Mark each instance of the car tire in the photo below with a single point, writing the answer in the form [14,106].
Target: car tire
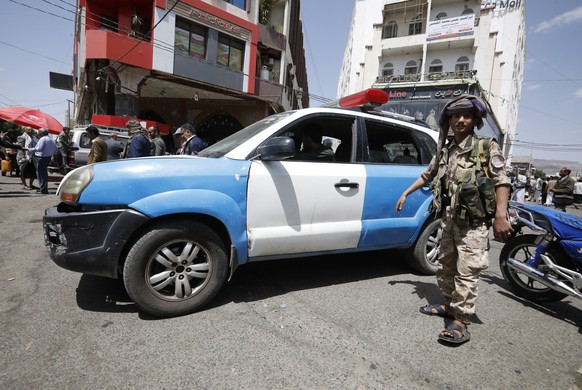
[423,257]
[175,269]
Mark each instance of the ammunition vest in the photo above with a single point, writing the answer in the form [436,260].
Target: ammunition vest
[474,197]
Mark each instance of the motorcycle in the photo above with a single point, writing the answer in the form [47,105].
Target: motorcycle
[542,262]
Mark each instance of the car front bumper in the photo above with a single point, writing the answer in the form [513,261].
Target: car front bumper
[89,242]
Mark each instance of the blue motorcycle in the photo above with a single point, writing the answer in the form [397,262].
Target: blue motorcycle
[542,262]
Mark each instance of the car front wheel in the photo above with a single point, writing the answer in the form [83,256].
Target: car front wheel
[175,269]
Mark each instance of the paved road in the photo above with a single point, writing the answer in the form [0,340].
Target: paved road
[334,322]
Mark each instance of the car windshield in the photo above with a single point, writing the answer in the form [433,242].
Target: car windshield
[227,144]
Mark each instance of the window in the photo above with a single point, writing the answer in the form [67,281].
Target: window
[238,3]
[415,26]
[441,15]
[410,68]
[435,66]
[388,70]
[462,63]
[190,39]
[393,144]
[467,11]
[337,133]
[231,52]
[390,30]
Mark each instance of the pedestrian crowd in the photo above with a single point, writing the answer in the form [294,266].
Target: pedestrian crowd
[559,190]
[33,151]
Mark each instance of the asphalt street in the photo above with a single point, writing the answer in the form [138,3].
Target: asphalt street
[330,322]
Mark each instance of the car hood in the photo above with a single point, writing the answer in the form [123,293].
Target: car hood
[122,182]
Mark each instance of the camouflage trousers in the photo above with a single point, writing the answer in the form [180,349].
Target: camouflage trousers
[464,253]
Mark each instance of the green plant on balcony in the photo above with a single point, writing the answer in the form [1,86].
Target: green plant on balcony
[265,8]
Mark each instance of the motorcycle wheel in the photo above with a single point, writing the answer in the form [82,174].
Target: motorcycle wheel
[522,248]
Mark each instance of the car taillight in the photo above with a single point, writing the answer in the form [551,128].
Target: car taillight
[369,97]
[71,158]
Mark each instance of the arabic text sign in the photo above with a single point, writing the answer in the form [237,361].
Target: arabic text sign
[450,27]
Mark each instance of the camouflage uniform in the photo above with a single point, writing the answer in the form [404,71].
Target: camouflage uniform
[464,249]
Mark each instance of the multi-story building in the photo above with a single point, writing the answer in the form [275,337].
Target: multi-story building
[424,52]
[218,64]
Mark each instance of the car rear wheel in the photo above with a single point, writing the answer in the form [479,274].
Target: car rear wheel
[423,257]
[175,269]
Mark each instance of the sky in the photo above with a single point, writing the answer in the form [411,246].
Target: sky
[36,37]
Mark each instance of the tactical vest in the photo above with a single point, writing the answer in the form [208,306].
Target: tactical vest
[474,197]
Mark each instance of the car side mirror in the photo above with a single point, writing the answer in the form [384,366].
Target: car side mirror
[276,148]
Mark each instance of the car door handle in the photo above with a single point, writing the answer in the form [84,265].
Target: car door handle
[347,185]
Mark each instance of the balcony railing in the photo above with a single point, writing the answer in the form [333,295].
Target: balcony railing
[436,76]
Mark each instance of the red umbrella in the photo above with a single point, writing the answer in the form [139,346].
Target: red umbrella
[30,117]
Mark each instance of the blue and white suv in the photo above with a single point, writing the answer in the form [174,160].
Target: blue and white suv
[176,227]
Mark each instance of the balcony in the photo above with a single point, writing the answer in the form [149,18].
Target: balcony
[104,44]
[268,90]
[268,37]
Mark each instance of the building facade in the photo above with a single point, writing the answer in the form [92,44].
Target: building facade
[424,52]
[218,64]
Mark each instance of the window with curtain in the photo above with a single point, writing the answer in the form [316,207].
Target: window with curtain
[231,52]
[190,39]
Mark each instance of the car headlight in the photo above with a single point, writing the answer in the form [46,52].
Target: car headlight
[74,183]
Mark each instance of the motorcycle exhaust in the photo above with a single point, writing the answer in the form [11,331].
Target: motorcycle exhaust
[543,278]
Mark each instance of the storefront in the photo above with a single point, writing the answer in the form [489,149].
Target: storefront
[426,102]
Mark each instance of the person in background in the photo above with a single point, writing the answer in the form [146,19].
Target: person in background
[551,183]
[313,148]
[64,144]
[544,190]
[138,144]
[519,187]
[563,191]
[43,152]
[538,189]
[191,143]
[465,245]
[24,157]
[157,141]
[114,147]
[98,151]
[405,158]
[578,193]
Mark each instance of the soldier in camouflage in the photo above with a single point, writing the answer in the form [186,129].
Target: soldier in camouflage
[464,251]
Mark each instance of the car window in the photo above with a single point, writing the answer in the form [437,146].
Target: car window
[335,145]
[392,144]
[227,144]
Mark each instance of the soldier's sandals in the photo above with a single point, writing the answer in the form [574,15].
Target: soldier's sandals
[435,310]
[454,337]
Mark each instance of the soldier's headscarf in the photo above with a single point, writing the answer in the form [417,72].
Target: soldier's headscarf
[462,103]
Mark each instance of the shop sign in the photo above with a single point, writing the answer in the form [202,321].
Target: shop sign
[501,4]
[216,22]
[449,93]
[211,21]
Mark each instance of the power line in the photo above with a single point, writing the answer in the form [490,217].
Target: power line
[34,53]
